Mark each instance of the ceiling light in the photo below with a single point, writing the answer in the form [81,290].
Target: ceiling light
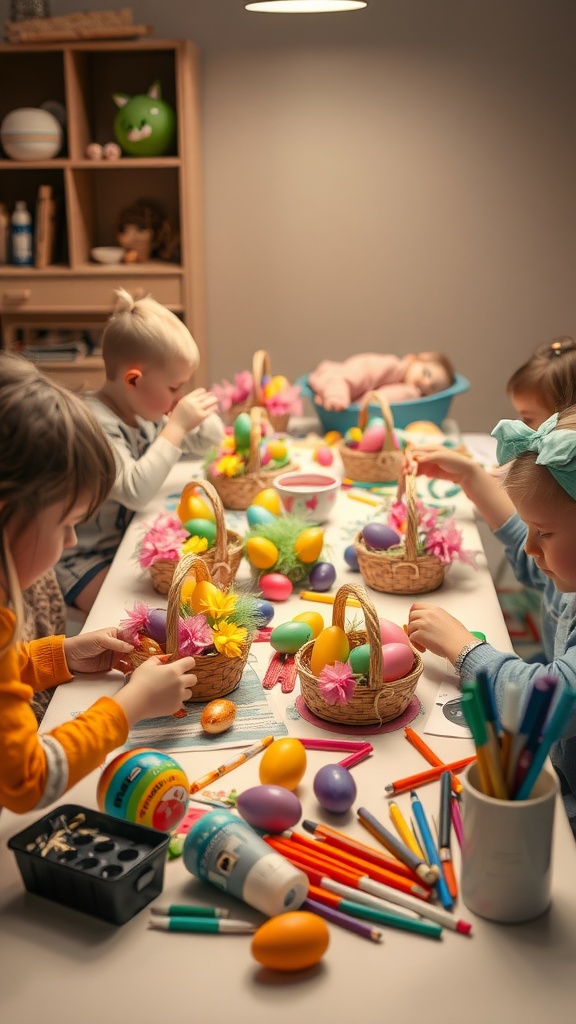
[304,6]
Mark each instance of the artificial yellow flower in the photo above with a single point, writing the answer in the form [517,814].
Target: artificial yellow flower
[229,465]
[194,545]
[228,444]
[228,638]
[217,604]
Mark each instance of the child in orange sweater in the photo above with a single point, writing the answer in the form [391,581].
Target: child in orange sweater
[57,467]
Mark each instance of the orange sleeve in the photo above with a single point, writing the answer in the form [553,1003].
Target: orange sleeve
[43,663]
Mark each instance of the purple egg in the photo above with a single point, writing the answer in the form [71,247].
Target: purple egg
[156,628]
[270,808]
[379,537]
[322,576]
[351,558]
[334,788]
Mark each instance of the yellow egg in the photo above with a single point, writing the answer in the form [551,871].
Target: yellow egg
[277,449]
[309,544]
[332,436]
[283,763]
[193,507]
[187,590]
[201,595]
[313,619]
[332,645]
[262,552]
[274,385]
[291,941]
[269,499]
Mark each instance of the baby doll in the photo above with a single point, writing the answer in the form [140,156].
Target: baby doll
[336,385]
[144,232]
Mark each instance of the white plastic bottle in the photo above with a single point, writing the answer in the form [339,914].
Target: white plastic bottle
[22,248]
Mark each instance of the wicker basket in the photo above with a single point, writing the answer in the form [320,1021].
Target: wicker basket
[401,571]
[223,560]
[260,369]
[237,492]
[217,675]
[373,467]
[375,702]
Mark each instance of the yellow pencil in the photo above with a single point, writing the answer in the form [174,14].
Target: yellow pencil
[403,829]
[312,595]
[362,497]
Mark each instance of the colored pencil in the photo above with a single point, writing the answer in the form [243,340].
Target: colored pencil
[431,851]
[531,711]
[472,710]
[183,910]
[456,820]
[485,708]
[533,740]
[422,778]
[385,917]
[403,829]
[327,744]
[201,924]
[234,762]
[430,756]
[360,755]
[444,831]
[426,872]
[552,733]
[312,595]
[330,838]
[342,919]
[511,717]
[360,497]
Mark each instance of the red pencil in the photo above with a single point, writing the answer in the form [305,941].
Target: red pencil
[348,855]
[357,756]
[330,837]
[413,781]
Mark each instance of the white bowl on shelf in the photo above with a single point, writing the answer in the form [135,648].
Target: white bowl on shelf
[107,253]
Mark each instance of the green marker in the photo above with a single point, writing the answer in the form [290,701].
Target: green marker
[201,924]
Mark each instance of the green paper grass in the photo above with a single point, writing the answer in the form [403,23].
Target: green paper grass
[284,532]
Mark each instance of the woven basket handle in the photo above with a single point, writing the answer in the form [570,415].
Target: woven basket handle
[260,368]
[256,415]
[407,488]
[376,669]
[188,565]
[221,542]
[386,414]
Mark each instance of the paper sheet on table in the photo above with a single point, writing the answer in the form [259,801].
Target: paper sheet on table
[446,717]
[256,716]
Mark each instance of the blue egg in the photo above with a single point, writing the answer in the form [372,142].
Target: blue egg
[351,558]
[264,611]
[334,788]
[257,515]
[322,576]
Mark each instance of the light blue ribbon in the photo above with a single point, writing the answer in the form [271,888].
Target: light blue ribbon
[556,448]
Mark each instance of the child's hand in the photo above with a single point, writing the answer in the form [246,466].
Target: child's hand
[432,629]
[96,652]
[438,462]
[156,689]
[192,409]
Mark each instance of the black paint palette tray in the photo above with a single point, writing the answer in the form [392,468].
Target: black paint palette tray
[104,866]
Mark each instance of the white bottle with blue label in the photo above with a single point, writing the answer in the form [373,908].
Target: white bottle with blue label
[22,239]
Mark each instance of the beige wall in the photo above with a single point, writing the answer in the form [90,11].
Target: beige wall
[398,180]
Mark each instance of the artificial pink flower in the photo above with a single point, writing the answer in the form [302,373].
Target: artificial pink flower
[287,400]
[337,683]
[194,635]
[396,517]
[231,394]
[446,543]
[137,622]
[163,540]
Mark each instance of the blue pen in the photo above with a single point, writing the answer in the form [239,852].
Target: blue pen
[533,739]
[431,851]
[553,732]
[537,695]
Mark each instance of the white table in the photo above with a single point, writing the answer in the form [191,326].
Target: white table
[58,964]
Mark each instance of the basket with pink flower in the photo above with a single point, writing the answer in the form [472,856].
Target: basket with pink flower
[245,464]
[199,528]
[370,452]
[275,394]
[411,553]
[351,677]
[215,627]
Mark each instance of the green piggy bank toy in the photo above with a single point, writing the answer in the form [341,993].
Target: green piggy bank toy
[144,125]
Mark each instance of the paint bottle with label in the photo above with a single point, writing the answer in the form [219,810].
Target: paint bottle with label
[223,850]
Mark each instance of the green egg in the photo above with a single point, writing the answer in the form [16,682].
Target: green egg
[202,528]
[242,430]
[290,637]
[375,421]
[359,659]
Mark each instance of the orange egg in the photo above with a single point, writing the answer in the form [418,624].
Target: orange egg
[291,941]
[332,645]
[201,596]
[283,763]
[309,544]
[187,590]
[262,552]
[193,507]
[269,499]
[312,619]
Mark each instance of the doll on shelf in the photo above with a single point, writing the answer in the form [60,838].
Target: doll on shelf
[145,233]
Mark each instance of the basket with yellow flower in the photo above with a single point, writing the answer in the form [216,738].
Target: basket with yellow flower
[275,394]
[199,528]
[214,626]
[247,460]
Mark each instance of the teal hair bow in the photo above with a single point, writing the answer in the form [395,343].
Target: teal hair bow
[556,449]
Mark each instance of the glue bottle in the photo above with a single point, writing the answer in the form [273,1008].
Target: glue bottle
[22,249]
[223,850]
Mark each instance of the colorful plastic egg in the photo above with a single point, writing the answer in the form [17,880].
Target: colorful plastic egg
[309,544]
[359,659]
[262,552]
[150,648]
[331,645]
[156,627]
[322,576]
[275,586]
[291,941]
[314,620]
[144,786]
[390,633]
[397,661]
[242,430]
[351,558]
[376,421]
[264,612]
[270,808]
[324,456]
[283,763]
[352,437]
[334,788]
[372,439]
[332,437]
[379,536]
[187,590]
[265,456]
[268,499]
[203,596]
[257,515]
[202,528]
[194,507]
[278,449]
[289,637]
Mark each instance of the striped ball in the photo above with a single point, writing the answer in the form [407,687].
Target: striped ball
[145,786]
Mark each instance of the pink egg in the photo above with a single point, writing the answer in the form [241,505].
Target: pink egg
[390,633]
[324,456]
[372,439]
[275,586]
[398,660]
